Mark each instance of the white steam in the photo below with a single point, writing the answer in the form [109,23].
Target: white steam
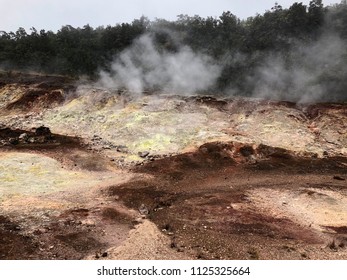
[308,72]
[303,74]
[143,66]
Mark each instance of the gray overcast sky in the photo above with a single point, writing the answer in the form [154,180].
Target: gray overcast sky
[53,14]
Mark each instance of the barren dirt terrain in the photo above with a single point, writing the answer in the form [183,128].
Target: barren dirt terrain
[91,173]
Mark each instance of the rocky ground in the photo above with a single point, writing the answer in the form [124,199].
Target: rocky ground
[90,173]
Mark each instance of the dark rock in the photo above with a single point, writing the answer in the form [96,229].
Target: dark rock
[96,137]
[269,151]
[43,131]
[246,151]
[143,154]
[122,149]
[143,210]
[13,141]
[339,178]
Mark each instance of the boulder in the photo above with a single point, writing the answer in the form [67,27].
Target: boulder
[43,131]
[23,137]
[13,141]
[143,154]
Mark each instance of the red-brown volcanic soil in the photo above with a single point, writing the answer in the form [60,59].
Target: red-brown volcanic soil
[223,199]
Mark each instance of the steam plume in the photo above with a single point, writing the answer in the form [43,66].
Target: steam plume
[307,73]
[143,66]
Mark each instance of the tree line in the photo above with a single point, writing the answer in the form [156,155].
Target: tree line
[87,50]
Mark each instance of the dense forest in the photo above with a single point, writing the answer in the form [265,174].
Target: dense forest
[288,41]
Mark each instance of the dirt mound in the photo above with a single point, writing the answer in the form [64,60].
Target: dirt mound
[21,139]
[27,92]
[37,99]
[145,242]
[208,156]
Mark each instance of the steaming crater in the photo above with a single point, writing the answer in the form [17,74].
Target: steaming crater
[169,124]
